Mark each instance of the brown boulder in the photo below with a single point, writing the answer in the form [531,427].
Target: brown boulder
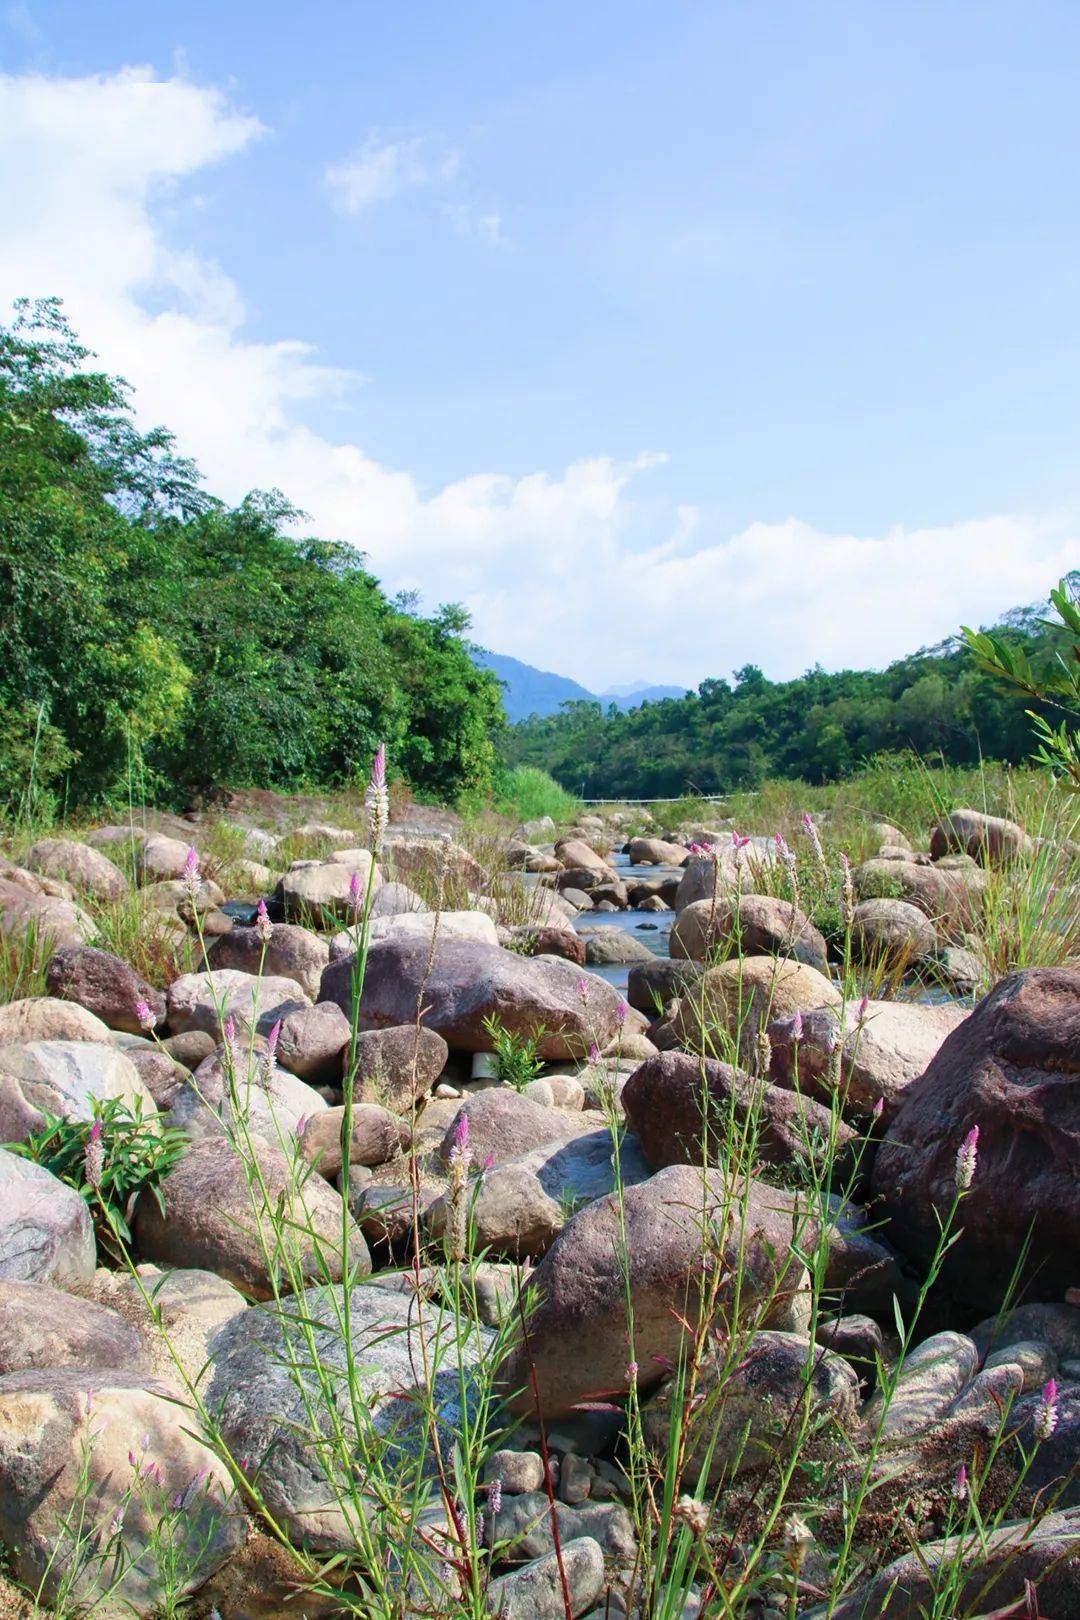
[44,1327]
[892,931]
[469,982]
[562,942]
[77,863]
[952,897]
[729,1003]
[759,924]
[44,1018]
[1012,1069]
[313,1041]
[377,1135]
[46,1234]
[398,1067]
[656,852]
[990,839]
[104,985]
[291,952]
[503,1125]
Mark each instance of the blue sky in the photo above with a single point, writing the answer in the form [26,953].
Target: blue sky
[664,337]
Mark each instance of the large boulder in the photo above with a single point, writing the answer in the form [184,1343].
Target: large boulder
[243,1091]
[50,920]
[885,1046]
[467,983]
[732,1001]
[291,952]
[267,1397]
[398,1067]
[990,839]
[88,869]
[1012,1069]
[476,925]
[313,1042]
[44,1018]
[73,1443]
[952,897]
[509,1214]
[686,1110]
[214,1221]
[63,1078]
[607,945]
[656,852]
[575,852]
[504,1125]
[723,869]
[651,985]
[418,859]
[757,924]
[46,1234]
[104,985]
[324,893]
[45,1327]
[892,932]
[159,858]
[576,1337]
[206,1001]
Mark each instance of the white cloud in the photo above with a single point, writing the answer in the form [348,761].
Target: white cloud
[553,565]
[382,169]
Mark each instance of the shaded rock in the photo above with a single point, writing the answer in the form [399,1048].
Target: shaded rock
[885,1049]
[163,1078]
[577,1171]
[892,931]
[260,1400]
[159,858]
[562,942]
[104,985]
[213,1220]
[46,1234]
[44,1018]
[272,1102]
[651,985]
[44,1327]
[504,1124]
[525,1523]
[577,1332]
[191,1047]
[1013,1069]
[1055,1325]
[63,1078]
[752,1411]
[509,1213]
[88,869]
[398,1066]
[392,899]
[951,898]
[536,1591]
[990,839]
[684,1110]
[313,1042]
[206,1001]
[762,924]
[47,1424]
[469,982]
[290,953]
[52,921]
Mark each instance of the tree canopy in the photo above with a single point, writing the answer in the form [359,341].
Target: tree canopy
[147,627]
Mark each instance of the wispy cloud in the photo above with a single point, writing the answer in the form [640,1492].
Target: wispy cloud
[382,169]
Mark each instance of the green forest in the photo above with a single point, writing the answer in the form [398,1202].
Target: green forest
[819,727]
[152,635]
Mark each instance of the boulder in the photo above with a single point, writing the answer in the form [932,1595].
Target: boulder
[273,1102]
[503,1124]
[159,858]
[324,893]
[656,852]
[892,932]
[609,946]
[577,1333]
[756,924]
[398,1066]
[562,942]
[1012,1069]
[214,1221]
[187,1308]
[44,1018]
[313,1042]
[104,985]
[886,1046]
[951,897]
[42,1326]
[726,868]
[928,1383]
[990,839]
[260,1400]
[509,1214]
[46,1234]
[394,900]
[206,1001]
[88,869]
[575,852]
[651,985]
[575,1172]
[377,1136]
[291,952]
[418,859]
[52,921]
[468,983]
[421,925]
[523,1526]
[752,1407]
[732,1001]
[536,1591]
[72,1442]
[686,1110]
[63,1078]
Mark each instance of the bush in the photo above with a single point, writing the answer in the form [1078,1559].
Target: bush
[527,793]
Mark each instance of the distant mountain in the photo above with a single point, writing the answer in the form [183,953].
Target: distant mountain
[537,691]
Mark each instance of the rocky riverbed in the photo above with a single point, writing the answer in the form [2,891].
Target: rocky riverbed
[624,1157]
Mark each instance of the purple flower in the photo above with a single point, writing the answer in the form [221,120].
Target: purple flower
[960,1484]
[272,1039]
[783,849]
[147,1019]
[263,926]
[797,1025]
[594,1053]
[459,1144]
[94,1156]
[583,988]
[301,1126]
[1045,1420]
[354,891]
[967,1158]
[864,1007]
[377,800]
[878,1109]
[622,1012]
[632,1372]
[739,840]
[116,1523]
[190,877]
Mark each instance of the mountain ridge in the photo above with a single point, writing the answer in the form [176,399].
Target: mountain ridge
[531,691]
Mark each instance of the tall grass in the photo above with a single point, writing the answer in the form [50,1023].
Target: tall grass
[526,793]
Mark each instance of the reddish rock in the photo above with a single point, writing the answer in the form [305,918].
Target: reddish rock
[104,985]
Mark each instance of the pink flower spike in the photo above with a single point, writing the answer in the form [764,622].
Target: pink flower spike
[146,1018]
[378,767]
[864,1007]
[622,1012]
[1046,1413]
[459,1144]
[967,1159]
[960,1484]
[229,1030]
[190,877]
[594,1053]
[301,1127]
[263,926]
[583,988]
[878,1109]
[354,889]
[273,1038]
[739,840]
[797,1025]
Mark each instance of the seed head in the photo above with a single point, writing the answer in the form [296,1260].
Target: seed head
[967,1158]
[693,1513]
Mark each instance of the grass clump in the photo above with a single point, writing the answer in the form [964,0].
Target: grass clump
[526,793]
